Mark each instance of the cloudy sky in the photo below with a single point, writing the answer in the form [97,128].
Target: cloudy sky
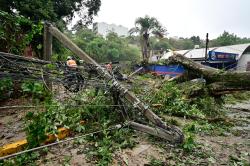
[182,18]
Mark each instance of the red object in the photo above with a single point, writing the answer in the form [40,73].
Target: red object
[28,52]
[108,67]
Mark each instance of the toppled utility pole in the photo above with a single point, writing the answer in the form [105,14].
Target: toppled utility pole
[171,133]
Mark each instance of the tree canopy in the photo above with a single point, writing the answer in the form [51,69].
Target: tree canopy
[146,26]
[111,48]
[16,32]
[20,21]
[53,10]
[227,38]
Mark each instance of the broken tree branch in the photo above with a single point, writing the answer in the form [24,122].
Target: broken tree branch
[218,81]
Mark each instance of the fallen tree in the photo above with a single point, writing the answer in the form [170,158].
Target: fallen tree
[217,81]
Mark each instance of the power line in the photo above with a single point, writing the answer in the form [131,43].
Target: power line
[118,126]
[43,106]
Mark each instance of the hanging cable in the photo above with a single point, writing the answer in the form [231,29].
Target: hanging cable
[118,126]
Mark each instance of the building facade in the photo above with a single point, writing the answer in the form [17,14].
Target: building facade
[241,53]
[104,28]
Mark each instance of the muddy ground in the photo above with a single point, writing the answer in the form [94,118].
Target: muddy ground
[229,148]
[12,120]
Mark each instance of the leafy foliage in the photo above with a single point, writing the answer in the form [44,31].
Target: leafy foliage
[36,90]
[156,162]
[112,48]
[16,32]
[237,97]
[54,10]
[225,39]
[146,26]
[203,127]
[196,40]
[107,142]
[24,159]
[177,99]
[160,44]
[6,86]
[35,130]
[173,102]
[181,43]
[189,143]
[85,107]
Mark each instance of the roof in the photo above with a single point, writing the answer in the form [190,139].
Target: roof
[200,53]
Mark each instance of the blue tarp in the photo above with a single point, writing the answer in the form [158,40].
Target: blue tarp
[172,70]
[220,60]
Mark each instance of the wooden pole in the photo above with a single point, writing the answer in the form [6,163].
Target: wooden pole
[47,50]
[70,45]
[47,44]
[206,47]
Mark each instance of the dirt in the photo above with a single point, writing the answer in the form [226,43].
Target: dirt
[232,147]
[64,154]
[61,93]
[73,154]
[12,120]
[235,144]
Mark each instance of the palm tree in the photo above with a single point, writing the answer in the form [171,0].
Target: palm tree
[146,26]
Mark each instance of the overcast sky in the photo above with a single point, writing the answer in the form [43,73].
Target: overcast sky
[183,18]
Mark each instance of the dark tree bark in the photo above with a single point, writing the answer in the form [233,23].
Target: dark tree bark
[218,81]
[145,47]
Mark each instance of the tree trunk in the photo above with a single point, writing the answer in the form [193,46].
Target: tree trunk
[145,45]
[218,81]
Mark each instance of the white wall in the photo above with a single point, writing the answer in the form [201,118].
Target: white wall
[104,28]
[242,63]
